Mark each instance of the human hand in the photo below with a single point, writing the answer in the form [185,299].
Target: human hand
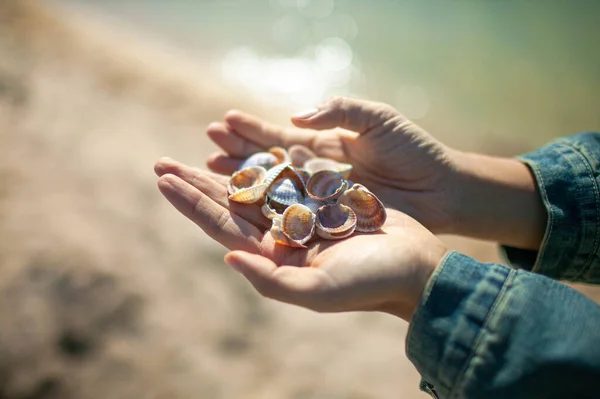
[446,190]
[401,163]
[386,271]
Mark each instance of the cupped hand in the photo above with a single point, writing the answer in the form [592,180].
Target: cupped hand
[400,162]
[385,271]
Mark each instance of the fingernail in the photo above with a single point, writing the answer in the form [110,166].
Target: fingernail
[306,113]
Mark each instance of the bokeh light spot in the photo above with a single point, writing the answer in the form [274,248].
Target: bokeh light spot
[334,54]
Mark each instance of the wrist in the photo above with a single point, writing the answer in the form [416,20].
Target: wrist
[409,296]
[495,199]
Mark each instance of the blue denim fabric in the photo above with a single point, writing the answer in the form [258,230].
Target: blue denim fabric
[567,172]
[489,331]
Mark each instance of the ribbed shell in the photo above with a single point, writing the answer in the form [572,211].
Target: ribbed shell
[326,185]
[299,154]
[264,159]
[313,204]
[335,221]
[370,212]
[295,227]
[247,185]
[315,165]
[285,191]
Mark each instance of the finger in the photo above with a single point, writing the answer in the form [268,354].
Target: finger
[167,165]
[227,228]
[348,113]
[215,186]
[265,134]
[233,144]
[221,163]
[288,284]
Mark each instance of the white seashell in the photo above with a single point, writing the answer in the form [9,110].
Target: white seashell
[269,212]
[370,212]
[335,221]
[315,165]
[264,159]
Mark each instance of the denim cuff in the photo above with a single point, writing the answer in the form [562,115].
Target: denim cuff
[566,172]
[446,328]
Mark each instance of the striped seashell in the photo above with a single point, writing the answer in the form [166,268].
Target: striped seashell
[299,154]
[285,192]
[370,212]
[281,154]
[283,171]
[315,165]
[264,159]
[326,185]
[274,173]
[295,227]
[313,204]
[335,221]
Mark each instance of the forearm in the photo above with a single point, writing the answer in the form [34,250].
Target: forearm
[496,199]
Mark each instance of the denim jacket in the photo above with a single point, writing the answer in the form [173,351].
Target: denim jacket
[485,330]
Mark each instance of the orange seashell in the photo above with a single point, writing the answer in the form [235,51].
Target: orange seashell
[370,212]
[247,185]
[281,154]
[295,227]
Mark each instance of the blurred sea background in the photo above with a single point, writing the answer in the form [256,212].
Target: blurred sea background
[107,292]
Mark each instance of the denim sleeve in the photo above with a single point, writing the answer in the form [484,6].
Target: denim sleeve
[489,331]
[567,173]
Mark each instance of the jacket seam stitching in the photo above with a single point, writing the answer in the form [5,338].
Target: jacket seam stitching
[590,173]
[542,185]
[505,286]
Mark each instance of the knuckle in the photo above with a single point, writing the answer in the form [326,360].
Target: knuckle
[337,102]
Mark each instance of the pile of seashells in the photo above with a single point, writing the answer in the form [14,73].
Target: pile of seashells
[304,194]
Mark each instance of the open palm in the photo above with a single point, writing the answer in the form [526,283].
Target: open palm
[399,161]
[384,271]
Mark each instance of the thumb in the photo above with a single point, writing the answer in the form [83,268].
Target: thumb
[348,113]
[284,283]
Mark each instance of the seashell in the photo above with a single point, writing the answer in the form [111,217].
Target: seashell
[313,204]
[326,185]
[274,173]
[264,159]
[335,221]
[370,212]
[247,185]
[281,154]
[285,191]
[269,211]
[295,227]
[315,165]
[299,154]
